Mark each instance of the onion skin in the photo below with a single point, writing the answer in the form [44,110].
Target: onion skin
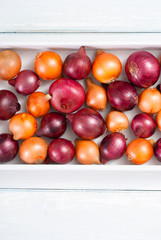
[87,152]
[10,64]
[77,65]
[157,150]
[22,126]
[26,82]
[112,147]
[142,69]
[53,125]
[87,123]
[122,95]
[67,95]
[96,96]
[106,67]
[158,120]
[33,150]
[8,104]
[116,121]
[139,151]
[150,101]
[60,151]
[8,147]
[143,125]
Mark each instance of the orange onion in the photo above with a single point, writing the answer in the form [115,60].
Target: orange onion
[106,67]
[96,96]
[22,126]
[150,101]
[116,121]
[158,120]
[139,151]
[33,150]
[87,152]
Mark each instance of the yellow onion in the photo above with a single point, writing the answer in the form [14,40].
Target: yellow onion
[116,121]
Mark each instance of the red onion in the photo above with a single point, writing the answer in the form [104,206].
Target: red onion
[122,95]
[8,104]
[142,69]
[60,151]
[77,65]
[159,87]
[87,123]
[53,125]
[157,149]
[143,125]
[26,82]
[66,95]
[112,147]
[8,147]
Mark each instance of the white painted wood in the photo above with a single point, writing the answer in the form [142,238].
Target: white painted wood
[77,215]
[80,16]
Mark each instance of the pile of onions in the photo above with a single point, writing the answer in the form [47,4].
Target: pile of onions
[122,95]
[67,95]
[77,65]
[142,69]
[112,147]
[158,120]
[87,123]
[116,121]
[157,150]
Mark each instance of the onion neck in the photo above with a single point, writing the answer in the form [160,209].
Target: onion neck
[12,82]
[89,82]
[99,52]
[82,51]
[70,117]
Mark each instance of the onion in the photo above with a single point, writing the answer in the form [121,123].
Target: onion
[26,82]
[122,95]
[143,125]
[60,151]
[158,120]
[66,95]
[139,151]
[53,125]
[87,123]
[112,147]
[8,104]
[116,121]
[8,147]
[157,150]
[10,64]
[96,97]
[150,101]
[77,65]
[142,69]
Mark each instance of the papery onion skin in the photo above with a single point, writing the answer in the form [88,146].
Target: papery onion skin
[60,151]
[77,65]
[33,150]
[139,151]
[53,125]
[26,82]
[87,152]
[67,95]
[48,65]
[158,120]
[9,104]
[143,125]
[96,96]
[142,69]
[116,121]
[10,64]
[87,123]
[150,101]
[8,147]
[106,67]
[122,95]
[157,149]
[112,147]
[22,126]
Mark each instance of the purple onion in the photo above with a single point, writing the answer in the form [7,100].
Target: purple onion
[112,147]
[87,123]
[77,65]
[53,125]
[8,104]
[8,147]
[142,69]
[122,95]
[157,149]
